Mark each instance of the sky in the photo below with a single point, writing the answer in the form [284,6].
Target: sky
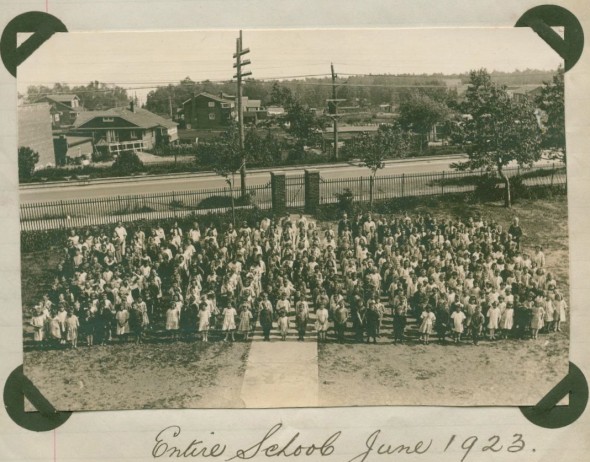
[139,61]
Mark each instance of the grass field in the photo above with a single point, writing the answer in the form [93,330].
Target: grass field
[181,374]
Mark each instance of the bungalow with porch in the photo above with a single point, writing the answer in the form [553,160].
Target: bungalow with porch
[125,128]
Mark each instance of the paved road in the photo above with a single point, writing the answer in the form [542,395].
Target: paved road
[201,181]
[47,193]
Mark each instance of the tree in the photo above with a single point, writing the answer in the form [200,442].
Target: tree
[551,102]
[27,159]
[391,141]
[99,96]
[420,112]
[301,121]
[499,130]
[280,95]
[94,96]
[222,155]
[263,151]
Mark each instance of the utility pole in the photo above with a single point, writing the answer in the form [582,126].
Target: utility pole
[333,111]
[170,106]
[239,75]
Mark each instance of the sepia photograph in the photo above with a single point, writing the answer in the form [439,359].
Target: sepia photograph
[293,218]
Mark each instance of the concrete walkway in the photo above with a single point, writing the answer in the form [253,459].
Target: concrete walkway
[281,374]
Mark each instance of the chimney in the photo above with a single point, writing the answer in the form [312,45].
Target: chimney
[132,106]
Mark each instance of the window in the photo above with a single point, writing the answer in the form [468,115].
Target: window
[108,119]
[211,103]
[225,105]
[211,116]
[133,134]
[56,117]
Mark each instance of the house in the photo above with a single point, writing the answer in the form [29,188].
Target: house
[251,105]
[349,131]
[275,111]
[64,109]
[206,110]
[525,92]
[122,128]
[209,111]
[34,131]
[457,86]
[386,107]
[345,133]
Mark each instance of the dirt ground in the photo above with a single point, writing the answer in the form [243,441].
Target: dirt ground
[510,372]
[192,375]
[148,376]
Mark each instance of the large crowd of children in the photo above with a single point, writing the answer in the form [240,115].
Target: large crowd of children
[456,279]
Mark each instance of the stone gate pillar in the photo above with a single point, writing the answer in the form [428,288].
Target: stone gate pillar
[312,191]
[279,193]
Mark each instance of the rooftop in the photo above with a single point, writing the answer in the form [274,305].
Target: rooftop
[62,98]
[140,117]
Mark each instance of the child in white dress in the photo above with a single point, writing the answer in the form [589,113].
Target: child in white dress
[229,322]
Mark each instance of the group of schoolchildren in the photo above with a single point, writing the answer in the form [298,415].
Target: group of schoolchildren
[456,279]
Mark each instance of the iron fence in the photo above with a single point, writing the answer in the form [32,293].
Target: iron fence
[430,184]
[295,191]
[77,213]
[99,211]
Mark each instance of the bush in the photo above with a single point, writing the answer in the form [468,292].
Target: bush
[127,162]
[101,156]
[220,202]
[185,149]
[345,201]
[518,189]
[27,158]
[176,204]
[488,189]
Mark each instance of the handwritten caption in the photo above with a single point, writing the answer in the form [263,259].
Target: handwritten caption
[171,442]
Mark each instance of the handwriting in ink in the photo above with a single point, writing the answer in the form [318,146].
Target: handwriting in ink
[267,447]
[385,449]
[196,448]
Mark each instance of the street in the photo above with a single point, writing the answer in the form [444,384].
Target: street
[200,181]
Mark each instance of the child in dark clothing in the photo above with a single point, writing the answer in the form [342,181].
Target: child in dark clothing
[399,325]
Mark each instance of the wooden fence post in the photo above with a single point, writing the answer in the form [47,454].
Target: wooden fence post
[442,183]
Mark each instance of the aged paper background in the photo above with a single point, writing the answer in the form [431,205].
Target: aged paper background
[130,435]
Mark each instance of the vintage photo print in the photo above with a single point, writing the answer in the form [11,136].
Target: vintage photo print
[293,218]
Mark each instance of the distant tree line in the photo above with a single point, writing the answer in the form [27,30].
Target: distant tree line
[94,96]
[363,90]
